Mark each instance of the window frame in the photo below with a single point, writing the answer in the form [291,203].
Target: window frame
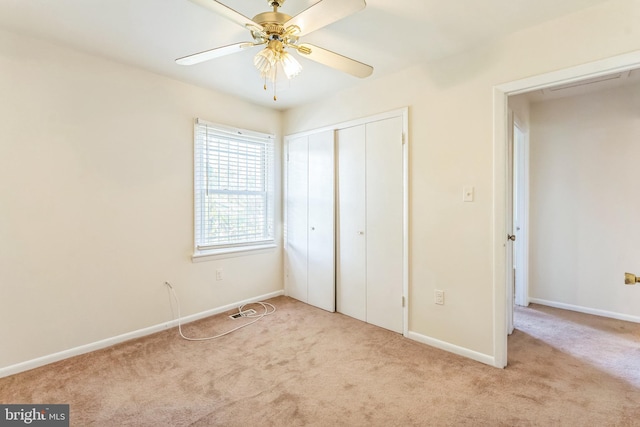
[202,252]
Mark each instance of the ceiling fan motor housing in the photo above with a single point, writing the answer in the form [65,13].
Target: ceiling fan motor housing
[271,18]
[272,24]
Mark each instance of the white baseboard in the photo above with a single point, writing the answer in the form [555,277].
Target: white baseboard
[45,360]
[451,348]
[587,310]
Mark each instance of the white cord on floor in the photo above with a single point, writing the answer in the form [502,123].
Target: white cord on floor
[256,316]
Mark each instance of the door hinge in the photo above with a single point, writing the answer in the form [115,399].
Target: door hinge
[403,301]
[403,139]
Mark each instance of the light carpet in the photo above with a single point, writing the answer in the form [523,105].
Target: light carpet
[303,366]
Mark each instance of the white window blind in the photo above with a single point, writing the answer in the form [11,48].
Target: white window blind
[234,187]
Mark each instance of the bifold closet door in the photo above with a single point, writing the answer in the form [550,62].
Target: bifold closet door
[310,220]
[370,246]
[351,272]
[321,207]
[384,223]
[297,218]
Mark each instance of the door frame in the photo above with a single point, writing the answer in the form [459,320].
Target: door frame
[615,64]
[404,114]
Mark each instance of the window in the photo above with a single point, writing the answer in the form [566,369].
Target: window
[234,189]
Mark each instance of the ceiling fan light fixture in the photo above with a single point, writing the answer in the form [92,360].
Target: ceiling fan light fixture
[268,59]
[272,57]
[265,61]
[290,65]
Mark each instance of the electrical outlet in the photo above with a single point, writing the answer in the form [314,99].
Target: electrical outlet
[439,297]
[219,274]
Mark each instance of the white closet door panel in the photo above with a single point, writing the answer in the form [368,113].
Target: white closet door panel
[351,283]
[384,195]
[321,221]
[297,214]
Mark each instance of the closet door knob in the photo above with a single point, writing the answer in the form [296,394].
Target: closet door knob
[361,233]
[313,228]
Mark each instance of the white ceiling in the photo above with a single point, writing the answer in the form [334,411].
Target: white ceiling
[389,35]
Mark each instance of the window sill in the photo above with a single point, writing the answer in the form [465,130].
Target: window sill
[215,254]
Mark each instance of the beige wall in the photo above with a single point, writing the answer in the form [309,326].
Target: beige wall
[451,106]
[585,201]
[96,195]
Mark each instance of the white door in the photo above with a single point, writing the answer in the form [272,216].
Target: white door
[370,223]
[384,219]
[509,222]
[297,219]
[520,215]
[351,273]
[321,226]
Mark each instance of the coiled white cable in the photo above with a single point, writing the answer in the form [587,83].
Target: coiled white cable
[256,316]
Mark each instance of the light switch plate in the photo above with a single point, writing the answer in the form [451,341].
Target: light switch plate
[467,194]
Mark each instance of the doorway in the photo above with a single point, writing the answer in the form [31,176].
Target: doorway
[503,191]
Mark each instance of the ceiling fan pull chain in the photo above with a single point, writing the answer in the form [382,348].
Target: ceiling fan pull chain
[275,79]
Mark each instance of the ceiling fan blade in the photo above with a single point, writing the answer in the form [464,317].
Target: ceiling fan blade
[197,58]
[335,60]
[227,12]
[323,13]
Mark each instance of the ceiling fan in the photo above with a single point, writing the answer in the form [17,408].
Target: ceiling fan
[279,32]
